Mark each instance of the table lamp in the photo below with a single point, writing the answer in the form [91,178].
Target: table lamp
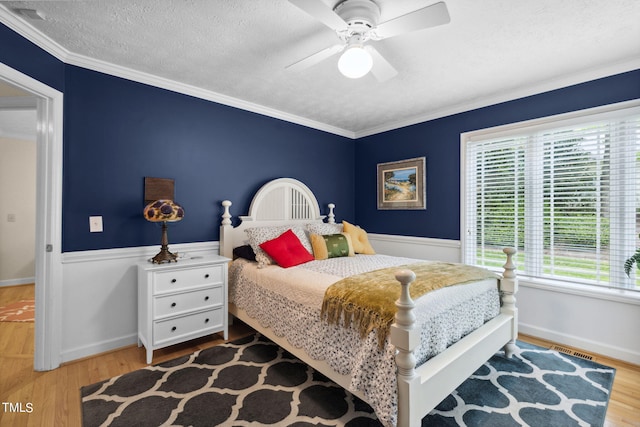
[164,211]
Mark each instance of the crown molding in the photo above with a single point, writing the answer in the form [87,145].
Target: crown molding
[545,86]
[172,85]
[21,27]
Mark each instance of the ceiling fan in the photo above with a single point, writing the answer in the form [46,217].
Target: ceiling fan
[356,23]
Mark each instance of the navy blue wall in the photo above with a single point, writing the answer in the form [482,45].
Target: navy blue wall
[439,141]
[116,132]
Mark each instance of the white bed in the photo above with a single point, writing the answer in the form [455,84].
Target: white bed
[418,389]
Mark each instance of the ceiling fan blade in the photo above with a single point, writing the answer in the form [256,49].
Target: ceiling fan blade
[427,17]
[315,58]
[382,70]
[321,12]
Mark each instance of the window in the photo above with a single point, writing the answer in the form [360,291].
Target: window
[565,191]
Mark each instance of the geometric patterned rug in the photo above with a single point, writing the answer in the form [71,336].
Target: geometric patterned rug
[21,311]
[536,387]
[252,382]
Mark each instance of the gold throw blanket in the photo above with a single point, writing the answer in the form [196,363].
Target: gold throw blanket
[368,299]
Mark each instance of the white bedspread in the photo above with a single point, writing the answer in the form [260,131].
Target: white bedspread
[289,302]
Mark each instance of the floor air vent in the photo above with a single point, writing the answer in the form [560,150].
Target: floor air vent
[572,352]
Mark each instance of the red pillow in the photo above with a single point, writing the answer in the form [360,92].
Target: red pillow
[287,250]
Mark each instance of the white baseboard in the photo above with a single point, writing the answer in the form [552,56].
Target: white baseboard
[98,347]
[16,282]
[580,343]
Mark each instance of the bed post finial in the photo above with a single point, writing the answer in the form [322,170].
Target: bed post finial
[226,216]
[331,217]
[509,266]
[226,242]
[508,290]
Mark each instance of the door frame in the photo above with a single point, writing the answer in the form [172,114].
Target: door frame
[48,244]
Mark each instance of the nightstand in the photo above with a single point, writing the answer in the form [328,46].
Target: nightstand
[181,301]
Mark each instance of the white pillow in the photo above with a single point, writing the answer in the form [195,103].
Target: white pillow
[323,228]
[259,235]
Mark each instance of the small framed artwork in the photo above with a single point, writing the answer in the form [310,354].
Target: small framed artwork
[402,184]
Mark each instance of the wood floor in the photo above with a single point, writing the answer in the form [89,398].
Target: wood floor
[50,398]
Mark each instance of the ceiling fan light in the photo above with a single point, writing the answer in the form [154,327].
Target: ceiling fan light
[355,62]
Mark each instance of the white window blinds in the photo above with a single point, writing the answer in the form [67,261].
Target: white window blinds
[565,193]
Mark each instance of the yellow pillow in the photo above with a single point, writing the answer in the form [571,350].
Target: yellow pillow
[331,245]
[359,238]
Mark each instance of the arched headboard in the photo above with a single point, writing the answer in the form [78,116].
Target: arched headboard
[282,201]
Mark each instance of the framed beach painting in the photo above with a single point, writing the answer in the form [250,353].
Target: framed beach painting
[402,184]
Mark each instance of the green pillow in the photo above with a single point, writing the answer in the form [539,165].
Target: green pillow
[331,245]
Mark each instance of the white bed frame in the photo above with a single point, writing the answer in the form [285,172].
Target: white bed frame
[420,389]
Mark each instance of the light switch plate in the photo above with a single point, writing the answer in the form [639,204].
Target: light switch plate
[95,224]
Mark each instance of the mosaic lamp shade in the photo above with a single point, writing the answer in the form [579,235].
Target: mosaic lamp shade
[164,211]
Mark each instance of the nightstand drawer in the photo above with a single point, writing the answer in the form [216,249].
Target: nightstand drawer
[170,305]
[167,281]
[181,327]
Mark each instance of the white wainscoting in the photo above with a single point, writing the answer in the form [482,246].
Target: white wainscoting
[99,297]
[601,321]
[416,247]
[99,301]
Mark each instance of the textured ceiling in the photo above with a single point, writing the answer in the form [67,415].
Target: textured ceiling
[491,51]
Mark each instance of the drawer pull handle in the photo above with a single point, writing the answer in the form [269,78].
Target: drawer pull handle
[206,276]
[173,280]
[206,320]
[173,304]
[206,298]
[173,329]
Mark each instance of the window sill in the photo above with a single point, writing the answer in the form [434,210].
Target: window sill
[590,291]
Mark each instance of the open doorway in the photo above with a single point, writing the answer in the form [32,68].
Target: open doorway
[17,186]
[17,225]
[48,104]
